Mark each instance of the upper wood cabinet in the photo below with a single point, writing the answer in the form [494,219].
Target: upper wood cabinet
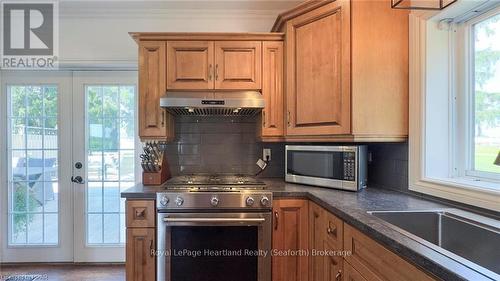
[346,71]
[154,122]
[272,121]
[318,71]
[206,65]
[238,65]
[290,232]
[190,65]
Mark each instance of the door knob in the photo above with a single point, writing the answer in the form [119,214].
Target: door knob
[77,179]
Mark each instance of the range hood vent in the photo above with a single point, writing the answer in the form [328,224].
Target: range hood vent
[240,103]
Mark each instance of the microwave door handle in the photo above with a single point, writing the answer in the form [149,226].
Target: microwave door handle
[214,220]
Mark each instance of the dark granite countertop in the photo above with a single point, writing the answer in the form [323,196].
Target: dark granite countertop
[352,207]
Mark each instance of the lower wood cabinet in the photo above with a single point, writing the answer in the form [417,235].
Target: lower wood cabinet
[299,222]
[141,240]
[374,262]
[290,233]
[140,256]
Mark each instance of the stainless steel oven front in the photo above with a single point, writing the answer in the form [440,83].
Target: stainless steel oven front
[341,167]
[222,246]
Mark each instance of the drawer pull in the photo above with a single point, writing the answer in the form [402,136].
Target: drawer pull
[151,249]
[140,213]
[276,220]
[331,231]
[338,275]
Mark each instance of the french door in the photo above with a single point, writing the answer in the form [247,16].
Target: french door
[70,149]
[104,146]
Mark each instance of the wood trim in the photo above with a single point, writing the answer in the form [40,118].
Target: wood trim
[298,10]
[140,213]
[272,121]
[207,36]
[347,138]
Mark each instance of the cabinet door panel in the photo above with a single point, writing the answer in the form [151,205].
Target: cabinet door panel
[318,71]
[152,118]
[190,65]
[272,89]
[290,232]
[238,65]
[140,260]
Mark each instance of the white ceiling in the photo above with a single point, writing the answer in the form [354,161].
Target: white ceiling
[254,5]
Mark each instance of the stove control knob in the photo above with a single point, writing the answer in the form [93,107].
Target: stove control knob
[164,200]
[179,201]
[214,201]
[250,201]
[264,201]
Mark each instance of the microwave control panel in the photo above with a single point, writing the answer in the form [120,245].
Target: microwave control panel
[349,166]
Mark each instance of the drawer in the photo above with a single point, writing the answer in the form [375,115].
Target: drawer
[375,262]
[351,274]
[334,232]
[141,213]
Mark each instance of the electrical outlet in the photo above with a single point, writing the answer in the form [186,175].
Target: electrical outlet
[266,154]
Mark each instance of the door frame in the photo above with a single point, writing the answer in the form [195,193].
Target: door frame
[63,252]
[83,252]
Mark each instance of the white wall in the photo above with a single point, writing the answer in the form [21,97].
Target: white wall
[98,37]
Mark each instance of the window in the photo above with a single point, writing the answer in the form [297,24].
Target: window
[485,93]
[33,174]
[454,130]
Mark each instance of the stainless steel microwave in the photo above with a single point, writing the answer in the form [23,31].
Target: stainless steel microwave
[340,167]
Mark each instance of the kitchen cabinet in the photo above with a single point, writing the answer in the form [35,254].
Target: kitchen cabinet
[190,65]
[375,262]
[351,274]
[346,71]
[141,240]
[290,233]
[238,65]
[207,65]
[272,119]
[154,122]
[325,234]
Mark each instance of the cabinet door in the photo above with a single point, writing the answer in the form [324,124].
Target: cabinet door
[316,237]
[238,65]
[190,65]
[290,233]
[140,264]
[272,89]
[153,120]
[333,265]
[318,72]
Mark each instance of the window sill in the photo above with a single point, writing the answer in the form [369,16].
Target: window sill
[484,194]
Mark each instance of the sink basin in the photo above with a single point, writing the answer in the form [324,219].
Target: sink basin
[472,237]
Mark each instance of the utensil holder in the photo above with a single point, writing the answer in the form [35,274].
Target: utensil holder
[157,178]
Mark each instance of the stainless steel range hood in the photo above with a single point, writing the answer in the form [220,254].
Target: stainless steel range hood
[238,103]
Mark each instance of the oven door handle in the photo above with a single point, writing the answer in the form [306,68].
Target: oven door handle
[214,220]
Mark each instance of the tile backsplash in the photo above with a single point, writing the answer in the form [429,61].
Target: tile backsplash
[220,145]
[389,166]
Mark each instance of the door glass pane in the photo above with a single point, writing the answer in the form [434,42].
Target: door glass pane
[33,176]
[487,95]
[111,131]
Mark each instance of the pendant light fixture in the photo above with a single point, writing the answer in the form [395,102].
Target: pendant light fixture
[421,4]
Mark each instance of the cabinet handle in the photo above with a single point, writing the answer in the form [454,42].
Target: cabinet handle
[288,119]
[276,217]
[263,118]
[338,275]
[217,72]
[151,249]
[331,231]
[163,118]
[210,72]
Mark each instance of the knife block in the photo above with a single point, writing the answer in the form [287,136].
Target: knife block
[157,178]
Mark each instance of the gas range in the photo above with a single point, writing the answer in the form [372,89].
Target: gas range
[214,192]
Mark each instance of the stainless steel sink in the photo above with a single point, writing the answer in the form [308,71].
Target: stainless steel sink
[469,236]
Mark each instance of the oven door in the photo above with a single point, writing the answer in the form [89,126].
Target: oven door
[214,246]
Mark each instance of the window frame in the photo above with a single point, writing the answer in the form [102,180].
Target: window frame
[469,86]
[436,165]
